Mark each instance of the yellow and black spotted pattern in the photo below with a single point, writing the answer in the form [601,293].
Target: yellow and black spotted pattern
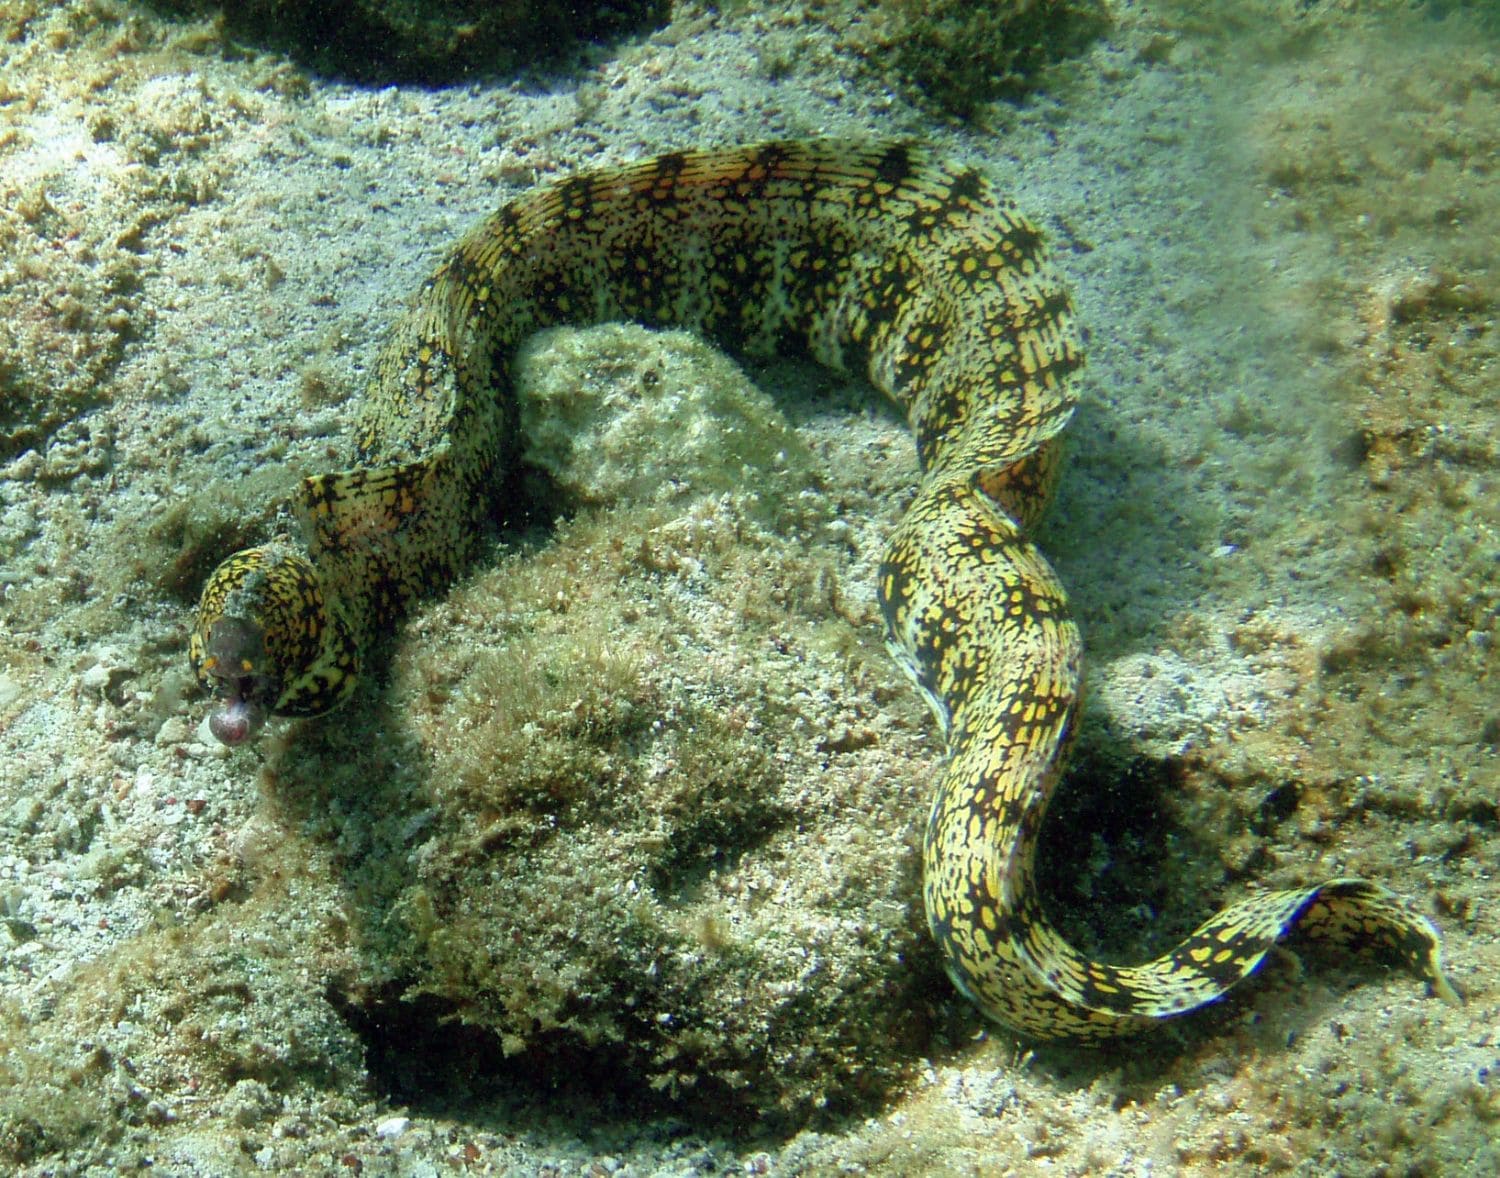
[871,258]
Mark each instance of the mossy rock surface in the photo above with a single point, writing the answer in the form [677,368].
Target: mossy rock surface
[956,55]
[642,805]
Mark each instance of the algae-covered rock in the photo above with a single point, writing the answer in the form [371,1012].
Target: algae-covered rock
[601,416]
[657,821]
[180,1018]
[958,54]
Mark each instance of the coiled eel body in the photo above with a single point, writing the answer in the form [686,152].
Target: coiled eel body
[872,258]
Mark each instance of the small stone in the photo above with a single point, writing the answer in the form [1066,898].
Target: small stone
[392,1128]
[174,730]
[250,1102]
[108,676]
[96,678]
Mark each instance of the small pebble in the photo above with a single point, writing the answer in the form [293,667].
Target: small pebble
[392,1128]
[174,730]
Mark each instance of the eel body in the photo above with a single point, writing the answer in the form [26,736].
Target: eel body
[868,258]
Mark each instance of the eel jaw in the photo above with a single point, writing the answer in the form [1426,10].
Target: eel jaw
[236,721]
[234,670]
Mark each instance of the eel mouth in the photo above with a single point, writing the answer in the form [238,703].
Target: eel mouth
[234,672]
[237,720]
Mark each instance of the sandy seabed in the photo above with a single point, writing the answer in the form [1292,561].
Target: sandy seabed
[1280,526]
